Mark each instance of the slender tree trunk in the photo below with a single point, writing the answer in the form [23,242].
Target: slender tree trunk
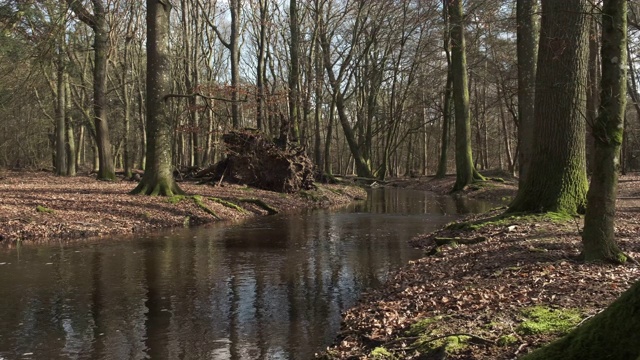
[592,89]
[327,140]
[72,154]
[234,47]
[319,77]
[261,70]
[505,131]
[465,172]
[598,237]
[126,117]
[294,72]
[447,107]
[527,48]
[558,162]
[101,47]
[60,106]
[363,168]
[158,176]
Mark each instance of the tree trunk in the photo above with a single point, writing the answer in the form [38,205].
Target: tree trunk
[598,237]
[106,169]
[234,47]
[558,162]
[60,106]
[72,152]
[611,334]
[527,48]
[261,70]
[294,73]
[158,177]
[465,172]
[319,77]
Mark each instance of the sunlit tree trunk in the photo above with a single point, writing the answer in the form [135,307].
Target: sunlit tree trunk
[557,176]
[158,177]
[598,237]
[465,171]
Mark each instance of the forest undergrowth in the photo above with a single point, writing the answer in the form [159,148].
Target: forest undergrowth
[490,287]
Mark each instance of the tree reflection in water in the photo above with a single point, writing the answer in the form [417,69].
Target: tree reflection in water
[269,288]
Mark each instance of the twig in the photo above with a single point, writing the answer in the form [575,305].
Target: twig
[195,94]
[474,337]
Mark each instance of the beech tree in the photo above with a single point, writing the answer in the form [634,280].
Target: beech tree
[158,176]
[557,180]
[465,171]
[598,237]
[98,23]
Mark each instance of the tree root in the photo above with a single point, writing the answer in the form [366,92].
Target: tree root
[270,210]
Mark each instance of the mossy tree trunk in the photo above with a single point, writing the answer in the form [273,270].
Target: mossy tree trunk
[158,177]
[465,171]
[557,179]
[527,48]
[612,334]
[598,237]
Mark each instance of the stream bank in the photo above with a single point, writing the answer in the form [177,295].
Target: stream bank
[515,289]
[38,207]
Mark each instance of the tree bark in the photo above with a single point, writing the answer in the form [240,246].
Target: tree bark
[158,177]
[465,172]
[557,180]
[447,105]
[598,237]
[60,107]
[527,49]
[294,73]
[98,22]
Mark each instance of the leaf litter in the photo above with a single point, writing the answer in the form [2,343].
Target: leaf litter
[483,290]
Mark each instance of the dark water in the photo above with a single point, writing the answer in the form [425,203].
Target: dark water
[270,288]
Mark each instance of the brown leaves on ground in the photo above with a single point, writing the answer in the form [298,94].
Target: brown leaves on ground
[481,289]
[40,207]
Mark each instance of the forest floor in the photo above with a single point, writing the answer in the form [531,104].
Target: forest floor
[38,207]
[515,285]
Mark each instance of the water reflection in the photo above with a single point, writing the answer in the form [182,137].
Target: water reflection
[272,288]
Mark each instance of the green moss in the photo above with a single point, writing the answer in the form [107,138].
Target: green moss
[611,334]
[314,196]
[270,210]
[450,344]
[228,204]
[423,326]
[506,340]
[507,219]
[544,320]
[175,199]
[197,199]
[42,209]
[381,353]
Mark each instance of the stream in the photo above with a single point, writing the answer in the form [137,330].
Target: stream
[269,288]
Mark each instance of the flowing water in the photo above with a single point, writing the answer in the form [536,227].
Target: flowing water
[268,288]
